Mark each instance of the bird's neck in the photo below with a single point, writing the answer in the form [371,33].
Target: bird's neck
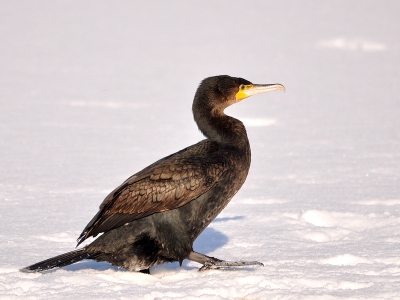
[223,129]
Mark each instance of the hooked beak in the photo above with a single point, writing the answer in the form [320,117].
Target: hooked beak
[254,89]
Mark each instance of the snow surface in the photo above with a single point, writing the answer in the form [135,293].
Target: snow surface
[93,91]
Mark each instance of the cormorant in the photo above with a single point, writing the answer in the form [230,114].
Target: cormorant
[155,215]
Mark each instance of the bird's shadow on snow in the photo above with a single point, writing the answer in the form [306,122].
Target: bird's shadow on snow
[208,241]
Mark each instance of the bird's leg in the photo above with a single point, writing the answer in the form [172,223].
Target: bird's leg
[215,263]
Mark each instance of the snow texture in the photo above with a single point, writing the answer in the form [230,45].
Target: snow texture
[93,91]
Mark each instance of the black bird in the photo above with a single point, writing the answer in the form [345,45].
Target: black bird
[155,215]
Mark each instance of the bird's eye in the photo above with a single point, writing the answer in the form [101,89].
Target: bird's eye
[242,87]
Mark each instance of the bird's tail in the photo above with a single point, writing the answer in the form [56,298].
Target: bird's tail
[59,261]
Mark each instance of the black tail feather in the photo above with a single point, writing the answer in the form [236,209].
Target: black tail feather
[59,261]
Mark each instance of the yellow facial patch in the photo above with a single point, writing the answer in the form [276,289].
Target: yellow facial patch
[243,92]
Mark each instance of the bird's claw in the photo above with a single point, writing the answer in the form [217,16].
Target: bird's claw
[218,264]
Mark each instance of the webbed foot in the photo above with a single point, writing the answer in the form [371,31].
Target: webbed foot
[215,263]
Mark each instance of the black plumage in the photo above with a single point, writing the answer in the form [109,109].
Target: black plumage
[156,215]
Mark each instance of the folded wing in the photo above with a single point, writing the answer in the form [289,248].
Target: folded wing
[165,185]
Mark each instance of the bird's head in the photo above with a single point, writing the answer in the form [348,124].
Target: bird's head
[219,92]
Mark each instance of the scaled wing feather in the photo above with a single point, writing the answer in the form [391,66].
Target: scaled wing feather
[165,185]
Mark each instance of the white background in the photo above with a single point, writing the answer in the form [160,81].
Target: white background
[93,91]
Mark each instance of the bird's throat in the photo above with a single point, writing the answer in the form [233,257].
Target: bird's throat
[223,129]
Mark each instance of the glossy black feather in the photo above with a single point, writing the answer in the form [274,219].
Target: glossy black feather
[155,215]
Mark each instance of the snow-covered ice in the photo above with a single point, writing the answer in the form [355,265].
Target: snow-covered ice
[91,92]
